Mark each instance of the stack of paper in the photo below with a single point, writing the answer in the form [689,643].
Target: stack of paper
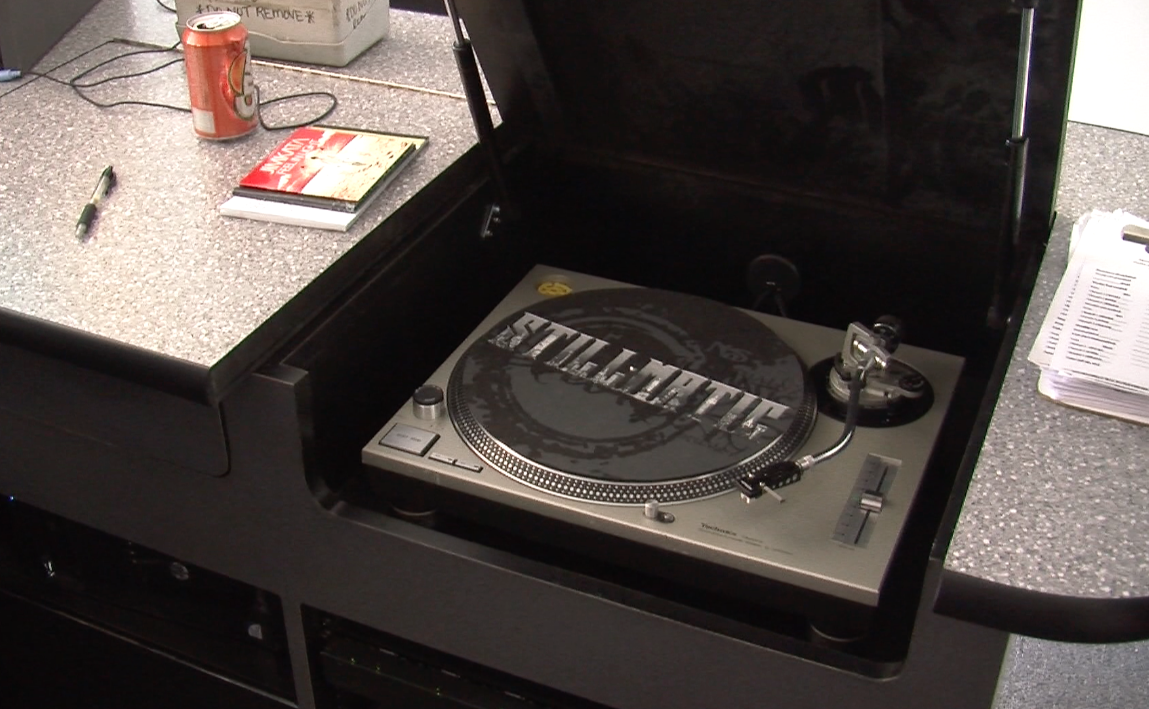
[1093,347]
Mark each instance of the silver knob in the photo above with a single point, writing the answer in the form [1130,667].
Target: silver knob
[427,402]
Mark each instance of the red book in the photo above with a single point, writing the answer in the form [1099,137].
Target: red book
[331,168]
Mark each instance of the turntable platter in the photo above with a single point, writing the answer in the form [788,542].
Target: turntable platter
[624,395]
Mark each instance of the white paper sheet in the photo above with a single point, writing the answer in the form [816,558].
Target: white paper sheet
[1093,346]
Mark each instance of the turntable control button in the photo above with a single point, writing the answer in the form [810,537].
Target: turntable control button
[409,439]
[469,466]
[442,458]
[427,402]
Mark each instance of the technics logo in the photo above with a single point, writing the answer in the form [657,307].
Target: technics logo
[662,385]
[720,530]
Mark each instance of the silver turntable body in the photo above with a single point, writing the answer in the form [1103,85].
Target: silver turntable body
[633,412]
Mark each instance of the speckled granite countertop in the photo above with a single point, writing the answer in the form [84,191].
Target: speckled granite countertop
[1059,501]
[163,271]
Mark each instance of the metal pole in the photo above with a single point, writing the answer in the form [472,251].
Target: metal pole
[503,209]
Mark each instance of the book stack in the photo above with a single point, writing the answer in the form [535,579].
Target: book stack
[1093,346]
[322,176]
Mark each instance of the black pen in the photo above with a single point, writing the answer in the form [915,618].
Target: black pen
[107,179]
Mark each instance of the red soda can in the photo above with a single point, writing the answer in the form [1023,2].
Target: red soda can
[218,60]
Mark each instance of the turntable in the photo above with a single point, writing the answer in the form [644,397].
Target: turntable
[779,449]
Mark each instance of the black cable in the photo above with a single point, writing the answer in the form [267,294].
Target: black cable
[61,65]
[325,114]
[166,7]
[75,84]
[75,80]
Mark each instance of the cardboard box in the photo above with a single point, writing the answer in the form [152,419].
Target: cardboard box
[331,32]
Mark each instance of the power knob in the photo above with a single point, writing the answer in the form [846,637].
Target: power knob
[427,402]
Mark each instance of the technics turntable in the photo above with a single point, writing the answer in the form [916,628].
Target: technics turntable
[660,418]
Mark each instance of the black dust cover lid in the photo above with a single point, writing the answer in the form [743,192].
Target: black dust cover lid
[906,104]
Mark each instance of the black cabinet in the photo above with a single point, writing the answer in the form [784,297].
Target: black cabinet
[52,660]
